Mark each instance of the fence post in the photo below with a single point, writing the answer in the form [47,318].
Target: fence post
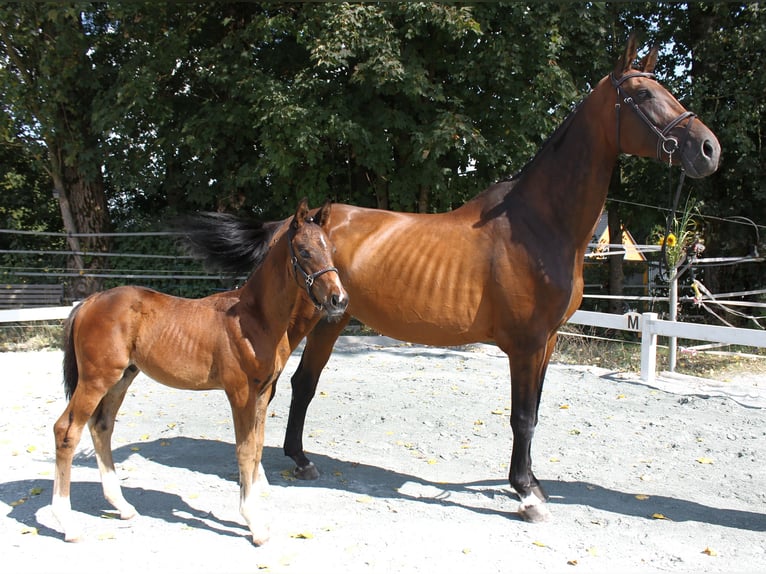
[648,347]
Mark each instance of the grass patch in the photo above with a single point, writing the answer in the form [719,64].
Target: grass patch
[31,336]
[621,351]
[615,350]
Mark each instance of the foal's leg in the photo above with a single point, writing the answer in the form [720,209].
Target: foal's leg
[527,376]
[101,427]
[249,413]
[67,432]
[319,345]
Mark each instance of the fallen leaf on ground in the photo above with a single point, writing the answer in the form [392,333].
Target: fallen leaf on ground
[302,535]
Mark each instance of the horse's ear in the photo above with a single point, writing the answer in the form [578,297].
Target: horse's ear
[323,215]
[301,213]
[626,61]
[649,61]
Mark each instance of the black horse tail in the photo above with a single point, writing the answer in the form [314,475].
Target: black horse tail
[71,374]
[226,242]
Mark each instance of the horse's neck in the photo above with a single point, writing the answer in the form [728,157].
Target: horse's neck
[567,183]
[270,292]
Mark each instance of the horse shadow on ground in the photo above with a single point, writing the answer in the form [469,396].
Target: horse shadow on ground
[217,458]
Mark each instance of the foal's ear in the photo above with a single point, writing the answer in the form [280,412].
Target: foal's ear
[626,61]
[323,215]
[301,214]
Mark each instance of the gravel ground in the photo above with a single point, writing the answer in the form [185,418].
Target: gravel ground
[413,445]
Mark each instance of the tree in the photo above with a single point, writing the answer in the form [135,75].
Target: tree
[47,84]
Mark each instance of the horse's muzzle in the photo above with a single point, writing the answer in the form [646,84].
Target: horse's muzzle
[701,156]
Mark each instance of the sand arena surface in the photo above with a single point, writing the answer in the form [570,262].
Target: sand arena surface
[413,444]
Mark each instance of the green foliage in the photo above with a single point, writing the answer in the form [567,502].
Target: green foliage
[412,106]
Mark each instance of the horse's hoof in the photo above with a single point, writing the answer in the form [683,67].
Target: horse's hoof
[262,537]
[535,513]
[308,472]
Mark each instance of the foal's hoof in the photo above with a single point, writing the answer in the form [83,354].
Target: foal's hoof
[74,537]
[308,472]
[128,513]
[535,513]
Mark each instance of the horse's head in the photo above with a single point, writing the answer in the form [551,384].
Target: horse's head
[311,253]
[652,123]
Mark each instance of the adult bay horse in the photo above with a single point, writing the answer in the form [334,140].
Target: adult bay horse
[235,341]
[504,267]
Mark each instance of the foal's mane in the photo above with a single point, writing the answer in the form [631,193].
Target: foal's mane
[226,242]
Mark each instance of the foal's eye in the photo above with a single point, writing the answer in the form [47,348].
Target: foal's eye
[304,254]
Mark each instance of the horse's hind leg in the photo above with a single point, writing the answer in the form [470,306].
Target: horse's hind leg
[67,432]
[101,425]
[319,345]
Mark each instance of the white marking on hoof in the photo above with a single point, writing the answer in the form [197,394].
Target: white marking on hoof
[532,509]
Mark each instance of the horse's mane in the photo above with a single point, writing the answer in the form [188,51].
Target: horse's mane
[553,140]
[226,242]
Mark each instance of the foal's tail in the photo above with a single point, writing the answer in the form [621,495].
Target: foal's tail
[71,374]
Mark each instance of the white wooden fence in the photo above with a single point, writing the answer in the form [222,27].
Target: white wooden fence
[650,327]
[647,324]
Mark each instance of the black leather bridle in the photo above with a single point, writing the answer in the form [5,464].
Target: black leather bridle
[308,278]
[665,143]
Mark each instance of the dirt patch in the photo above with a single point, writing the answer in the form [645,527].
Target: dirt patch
[413,445]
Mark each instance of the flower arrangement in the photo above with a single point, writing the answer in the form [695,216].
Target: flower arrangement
[684,236]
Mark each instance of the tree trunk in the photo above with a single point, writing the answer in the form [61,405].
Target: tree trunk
[83,210]
[616,276]
[423,199]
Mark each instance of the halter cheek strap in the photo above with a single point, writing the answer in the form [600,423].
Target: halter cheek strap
[665,143]
[308,278]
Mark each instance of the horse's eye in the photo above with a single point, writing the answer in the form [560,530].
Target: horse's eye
[643,95]
[304,254]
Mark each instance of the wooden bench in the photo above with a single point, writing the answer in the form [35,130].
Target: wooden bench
[30,295]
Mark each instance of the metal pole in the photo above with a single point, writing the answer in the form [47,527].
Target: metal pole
[673,304]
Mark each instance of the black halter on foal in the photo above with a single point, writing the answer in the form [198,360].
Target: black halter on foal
[308,278]
[665,143]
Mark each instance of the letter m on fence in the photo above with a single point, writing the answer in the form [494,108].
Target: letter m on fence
[634,321]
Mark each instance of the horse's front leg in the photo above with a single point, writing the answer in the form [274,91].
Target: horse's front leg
[249,413]
[527,377]
[101,427]
[319,345]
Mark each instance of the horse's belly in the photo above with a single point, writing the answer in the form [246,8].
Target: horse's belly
[421,322]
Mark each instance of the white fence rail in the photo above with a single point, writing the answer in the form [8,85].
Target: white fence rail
[650,327]
[647,324]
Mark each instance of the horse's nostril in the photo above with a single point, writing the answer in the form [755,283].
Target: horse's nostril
[707,149]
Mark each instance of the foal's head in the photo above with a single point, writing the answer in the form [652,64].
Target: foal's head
[311,252]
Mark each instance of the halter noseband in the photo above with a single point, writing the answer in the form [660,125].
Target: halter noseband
[665,143]
[308,278]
